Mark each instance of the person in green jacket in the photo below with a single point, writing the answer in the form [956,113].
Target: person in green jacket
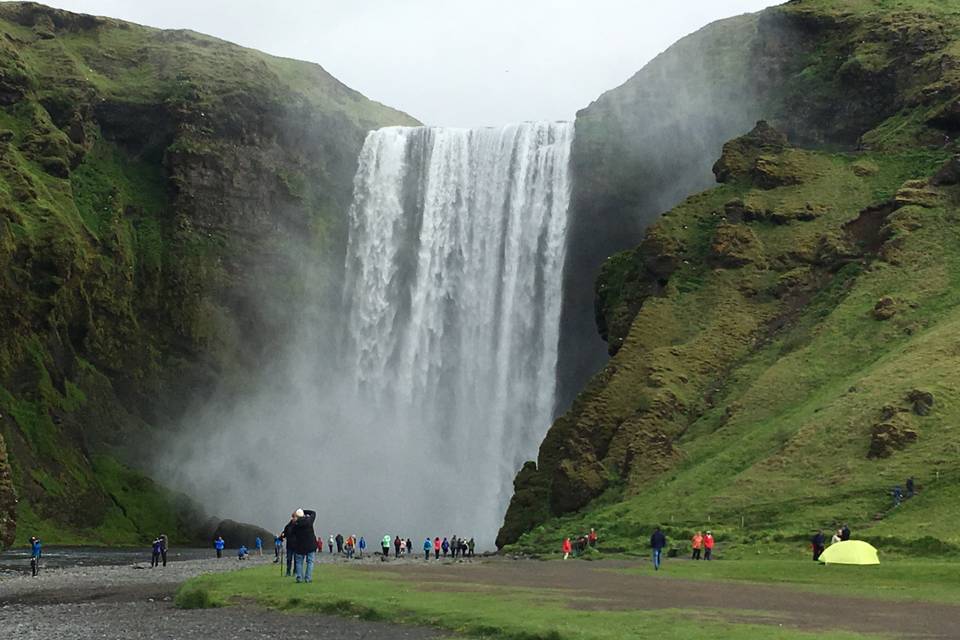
[385,545]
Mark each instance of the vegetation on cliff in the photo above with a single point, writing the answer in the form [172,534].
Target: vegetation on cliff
[157,190]
[783,344]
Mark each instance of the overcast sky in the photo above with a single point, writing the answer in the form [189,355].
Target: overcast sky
[450,62]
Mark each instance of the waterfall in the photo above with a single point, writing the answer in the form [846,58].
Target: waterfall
[452,300]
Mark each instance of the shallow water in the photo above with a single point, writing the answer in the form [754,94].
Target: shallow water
[17,560]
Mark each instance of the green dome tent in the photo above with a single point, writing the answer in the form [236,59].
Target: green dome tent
[850,552]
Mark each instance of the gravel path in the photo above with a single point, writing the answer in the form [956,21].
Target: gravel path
[135,602]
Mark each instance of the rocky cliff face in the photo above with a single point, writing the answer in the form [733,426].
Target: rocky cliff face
[158,191]
[751,312]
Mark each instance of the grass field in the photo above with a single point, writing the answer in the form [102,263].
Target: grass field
[464,600]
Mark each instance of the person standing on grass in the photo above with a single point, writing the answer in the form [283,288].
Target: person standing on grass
[567,548]
[657,542]
[287,535]
[910,487]
[708,546]
[816,543]
[837,537]
[219,544]
[697,542]
[845,532]
[304,544]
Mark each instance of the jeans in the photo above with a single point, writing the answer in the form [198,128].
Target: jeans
[289,559]
[303,573]
[656,559]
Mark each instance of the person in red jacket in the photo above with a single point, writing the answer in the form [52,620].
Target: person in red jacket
[697,542]
[567,548]
[436,548]
[707,546]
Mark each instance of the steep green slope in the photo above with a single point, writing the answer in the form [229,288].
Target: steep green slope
[783,343]
[159,191]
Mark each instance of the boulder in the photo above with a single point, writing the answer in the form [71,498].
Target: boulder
[888,437]
[885,308]
[740,156]
[921,402]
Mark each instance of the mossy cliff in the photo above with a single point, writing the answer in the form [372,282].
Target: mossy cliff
[783,345]
[157,191]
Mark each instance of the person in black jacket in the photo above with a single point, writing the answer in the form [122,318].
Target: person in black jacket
[304,543]
[657,542]
[287,537]
[816,543]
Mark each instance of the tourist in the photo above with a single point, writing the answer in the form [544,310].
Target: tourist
[164,543]
[319,544]
[445,545]
[708,546]
[385,547]
[567,548]
[242,552]
[592,537]
[837,536]
[816,544]
[36,551]
[910,487]
[218,544]
[348,548]
[277,547]
[362,546]
[436,548]
[409,546]
[426,548]
[471,545]
[258,545]
[330,543]
[304,544]
[657,542]
[897,494]
[697,542]
[339,540]
[155,555]
[845,532]
[396,546]
[403,547]
[287,536]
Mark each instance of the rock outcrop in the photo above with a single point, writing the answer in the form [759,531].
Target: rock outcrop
[160,191]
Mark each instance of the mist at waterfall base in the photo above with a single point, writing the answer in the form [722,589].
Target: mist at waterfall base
[407,405]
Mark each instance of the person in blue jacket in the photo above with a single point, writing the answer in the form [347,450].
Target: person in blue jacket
[277,547]
[362,545]
[36,550]
[657,542]
[242,552]
[427,545]
[218,544]
[258,545]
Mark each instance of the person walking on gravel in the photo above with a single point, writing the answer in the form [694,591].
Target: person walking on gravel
[258,545]
[339,540]
[436,548]
[471,545]
[304,544]
[427,545]
[218,544]
[396,547]
[567,548]
[708,546]
[697,542]
[362,546]
[330,544]
[657,542]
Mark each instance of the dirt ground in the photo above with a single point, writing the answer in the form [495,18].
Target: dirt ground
[598,586]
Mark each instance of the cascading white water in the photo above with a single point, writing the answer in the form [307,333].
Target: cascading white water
[453,291]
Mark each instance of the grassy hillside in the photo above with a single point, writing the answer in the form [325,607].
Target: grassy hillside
[158,192]
[784,343]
